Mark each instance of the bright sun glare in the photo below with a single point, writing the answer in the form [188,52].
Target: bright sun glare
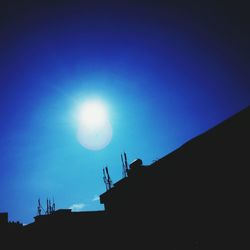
[93,114]
[94,128]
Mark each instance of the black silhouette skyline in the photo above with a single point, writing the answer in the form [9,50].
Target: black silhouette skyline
[193,198]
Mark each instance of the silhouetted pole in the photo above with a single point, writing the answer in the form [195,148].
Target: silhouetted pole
[123,167]
[39,210]
[47,205]
[126,163]
[53,206]
[109,181]
[105,179]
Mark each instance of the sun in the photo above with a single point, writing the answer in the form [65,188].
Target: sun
[93,114]
[94,128]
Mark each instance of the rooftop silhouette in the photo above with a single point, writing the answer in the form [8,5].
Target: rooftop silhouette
[192,198]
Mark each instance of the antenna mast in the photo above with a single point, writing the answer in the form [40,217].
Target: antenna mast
[53,206]
[47,206]
[50,207]
[106,178]
[39,208]
[124,165]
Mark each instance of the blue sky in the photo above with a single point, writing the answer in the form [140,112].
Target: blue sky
[167,72]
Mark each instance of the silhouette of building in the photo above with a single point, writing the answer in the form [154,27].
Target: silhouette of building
[193,198]
[3,219]
[9,231]
[66,216]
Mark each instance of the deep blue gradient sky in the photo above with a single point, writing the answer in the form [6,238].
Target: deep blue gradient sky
[167,71]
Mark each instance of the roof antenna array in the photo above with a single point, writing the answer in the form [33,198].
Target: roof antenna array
[39,208]
[124,165]
[50,207]
[107,179]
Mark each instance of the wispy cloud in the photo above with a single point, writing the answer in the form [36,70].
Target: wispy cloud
[77,207]
[96,198]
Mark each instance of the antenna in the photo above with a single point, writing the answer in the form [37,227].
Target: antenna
[50,207]
[53,206]
[122,161]
[47,206]
[124,165]
[109,181]
[105,179]
[39,208]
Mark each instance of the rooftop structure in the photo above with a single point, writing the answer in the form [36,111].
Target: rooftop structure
[195,196]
